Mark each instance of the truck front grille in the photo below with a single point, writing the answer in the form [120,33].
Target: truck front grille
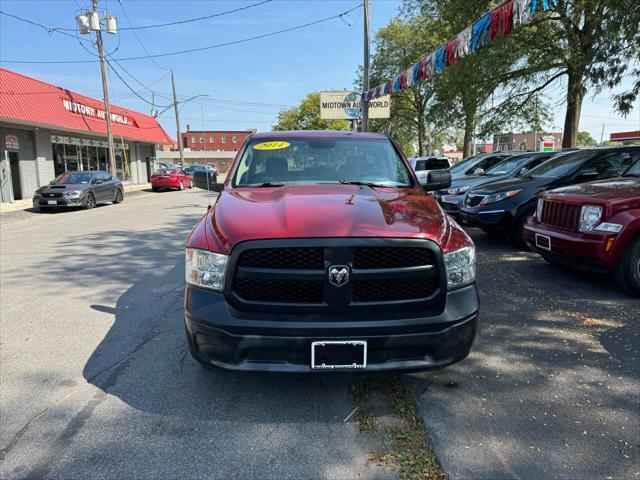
[289,276]
[564,216]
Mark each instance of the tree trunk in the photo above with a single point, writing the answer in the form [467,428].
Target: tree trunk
[575,94]
[467,149]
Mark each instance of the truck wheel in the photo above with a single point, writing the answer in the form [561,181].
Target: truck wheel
[627,273]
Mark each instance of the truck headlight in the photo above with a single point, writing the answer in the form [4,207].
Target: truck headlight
[539,210]
[496,197]
[205,269]
[590,216]
[461,266]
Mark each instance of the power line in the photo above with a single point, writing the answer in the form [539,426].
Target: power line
[45,27]
[192,50]
[127,85]
[189,20]
[138,37]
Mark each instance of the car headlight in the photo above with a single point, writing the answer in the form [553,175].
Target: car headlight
[73,194]
[539,210]
[456,191]
[590,216]
[461,266]
[496,197]
[205,269]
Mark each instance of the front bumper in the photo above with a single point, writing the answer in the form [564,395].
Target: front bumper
[585,251]
[487,218]
[451,204]
[60,202]
[219,336]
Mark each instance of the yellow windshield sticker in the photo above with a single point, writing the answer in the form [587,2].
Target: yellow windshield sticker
[271,145]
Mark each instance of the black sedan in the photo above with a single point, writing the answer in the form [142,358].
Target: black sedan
[79,189]
[501,208]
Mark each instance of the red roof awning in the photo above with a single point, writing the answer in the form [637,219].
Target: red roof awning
[620,136]
[30,101]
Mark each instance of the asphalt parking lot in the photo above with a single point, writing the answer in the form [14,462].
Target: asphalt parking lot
[97,382]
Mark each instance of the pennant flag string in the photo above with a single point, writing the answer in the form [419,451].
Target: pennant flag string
[499,22]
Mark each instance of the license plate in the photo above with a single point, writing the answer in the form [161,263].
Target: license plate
[52,202]
[543,241]
[338,354]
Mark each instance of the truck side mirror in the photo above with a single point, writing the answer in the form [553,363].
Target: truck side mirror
[436,180]
[205,181]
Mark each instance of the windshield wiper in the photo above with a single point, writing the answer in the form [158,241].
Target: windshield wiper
[266,184]
[366,184]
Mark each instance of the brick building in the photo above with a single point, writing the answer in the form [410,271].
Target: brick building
[214,140]
[523,141]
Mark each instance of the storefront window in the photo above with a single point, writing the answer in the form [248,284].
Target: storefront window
[59,164]
[122,163]
[103,159]
[72,157]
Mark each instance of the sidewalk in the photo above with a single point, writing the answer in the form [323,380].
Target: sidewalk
[27,202]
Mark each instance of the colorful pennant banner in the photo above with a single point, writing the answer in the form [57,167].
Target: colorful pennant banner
[499,22]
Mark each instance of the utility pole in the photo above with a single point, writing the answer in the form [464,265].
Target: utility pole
[602,135]
[365,74]
[175,108]
[105,94]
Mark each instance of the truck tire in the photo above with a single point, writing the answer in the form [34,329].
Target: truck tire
[627,273]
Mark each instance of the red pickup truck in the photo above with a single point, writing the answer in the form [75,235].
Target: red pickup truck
[592,226]
[324,252]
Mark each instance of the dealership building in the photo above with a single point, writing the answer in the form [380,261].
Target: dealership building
[46,130]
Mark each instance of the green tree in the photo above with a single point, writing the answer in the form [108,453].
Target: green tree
[585,139]
[306,116]
[398,45]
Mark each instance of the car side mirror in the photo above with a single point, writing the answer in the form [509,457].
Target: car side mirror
[204,180]
[478,171]
[523,171]
[436,180]
[587,174]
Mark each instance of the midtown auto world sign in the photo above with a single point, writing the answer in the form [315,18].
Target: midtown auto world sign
[345,105]
[89,111]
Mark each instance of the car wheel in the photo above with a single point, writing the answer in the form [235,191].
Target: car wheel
[627,273]
[181,187]
[118,198]
[190,184]
[91,202]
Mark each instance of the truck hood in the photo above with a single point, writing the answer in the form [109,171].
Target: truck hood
[327,211]
[613,190]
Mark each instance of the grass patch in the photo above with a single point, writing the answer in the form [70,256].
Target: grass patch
[408,447]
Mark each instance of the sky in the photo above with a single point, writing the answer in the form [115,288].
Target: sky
[243,86]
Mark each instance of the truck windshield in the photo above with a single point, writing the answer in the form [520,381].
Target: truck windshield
[295,161]
[562,164]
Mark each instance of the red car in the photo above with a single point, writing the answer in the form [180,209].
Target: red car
[593,226]
[325,252]
[164,178]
